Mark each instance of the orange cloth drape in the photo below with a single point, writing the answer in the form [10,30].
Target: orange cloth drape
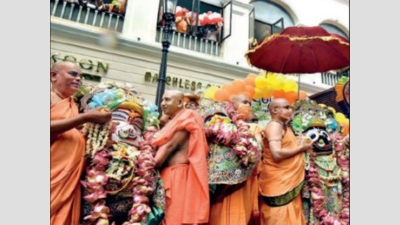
[290,214]
[278,178]
[240,207]
[174,197]
[67,163]
[195,205]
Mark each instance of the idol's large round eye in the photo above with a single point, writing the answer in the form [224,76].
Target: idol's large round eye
[325,135]
[132,130]
[313,134]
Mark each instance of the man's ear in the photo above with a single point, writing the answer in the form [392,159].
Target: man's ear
[53,76]
[273,110]
[181,103]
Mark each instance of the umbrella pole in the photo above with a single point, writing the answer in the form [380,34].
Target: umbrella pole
[298,90]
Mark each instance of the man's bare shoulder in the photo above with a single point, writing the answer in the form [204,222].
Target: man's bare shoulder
[273,126]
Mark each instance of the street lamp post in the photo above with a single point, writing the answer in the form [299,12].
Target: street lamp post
[168,16]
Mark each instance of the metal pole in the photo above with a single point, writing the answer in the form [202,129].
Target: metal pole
[298,90]
[169,18]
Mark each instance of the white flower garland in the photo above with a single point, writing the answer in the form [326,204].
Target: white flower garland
[96,140]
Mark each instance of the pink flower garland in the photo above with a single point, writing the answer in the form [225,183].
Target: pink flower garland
[244,149]
[319,201]
[344,163]
[96,179]
[142,183]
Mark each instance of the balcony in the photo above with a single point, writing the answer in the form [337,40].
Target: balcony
[86,15]
[191,42]
[330,78]
[200,25]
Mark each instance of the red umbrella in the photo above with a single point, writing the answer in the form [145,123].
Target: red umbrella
[301,50]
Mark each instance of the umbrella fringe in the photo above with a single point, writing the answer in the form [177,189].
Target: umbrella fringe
[304,38]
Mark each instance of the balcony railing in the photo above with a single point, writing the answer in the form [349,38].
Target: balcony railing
[330,78]
[86,15]
[191,42]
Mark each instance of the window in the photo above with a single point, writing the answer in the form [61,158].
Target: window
[270,18]
[252,28]
[334,30]
[201,26]
[264,29]
[208,19]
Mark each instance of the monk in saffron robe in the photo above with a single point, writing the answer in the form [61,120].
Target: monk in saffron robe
[67,144]
[181,156]
[282,172]
[238,204]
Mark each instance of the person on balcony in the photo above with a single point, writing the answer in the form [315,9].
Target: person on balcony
[282,171]
[67,144]
[181,157]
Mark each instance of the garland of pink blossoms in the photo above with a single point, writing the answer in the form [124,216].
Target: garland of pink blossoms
[143,183]
[319,201]
[96,179]
[343,159]
[244,149]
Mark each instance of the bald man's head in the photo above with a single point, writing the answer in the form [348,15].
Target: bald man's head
[65,78]
[175,94]
[63,65]
[280,109]
[172,102]
[242,105]
[240,98]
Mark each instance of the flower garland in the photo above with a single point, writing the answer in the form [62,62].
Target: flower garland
[245,149]
[319,201]
[96,140]
[97,178]
[343,156]
[144,182]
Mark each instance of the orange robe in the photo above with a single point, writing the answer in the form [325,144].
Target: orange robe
[67,163]
[186,186]
[277,179]
[241,206]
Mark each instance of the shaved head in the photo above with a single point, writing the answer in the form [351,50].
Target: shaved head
[242,105]
[62,66]
[175,94]
[172,102]
[276,102]
[65,78]
[280,109]
[240,98]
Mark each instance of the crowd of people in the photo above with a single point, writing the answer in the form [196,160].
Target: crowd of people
[216,164]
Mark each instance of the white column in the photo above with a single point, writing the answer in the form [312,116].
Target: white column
[141,20]
[234,47]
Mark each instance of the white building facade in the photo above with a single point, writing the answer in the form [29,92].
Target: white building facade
[132,51]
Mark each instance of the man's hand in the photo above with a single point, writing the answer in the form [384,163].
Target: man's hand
[305,146]
[94,116]
[98,115]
